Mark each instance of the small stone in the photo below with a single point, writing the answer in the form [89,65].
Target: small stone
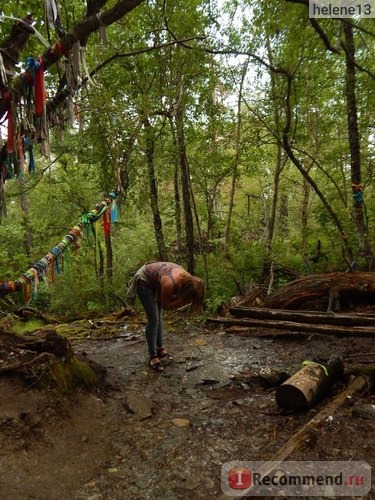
[180,422]
[191,391]
[143,484]
[200,342]
[209,381]
[234,411]
[139,404]
[179,359]
[221,385]
[194,366]
[192,483]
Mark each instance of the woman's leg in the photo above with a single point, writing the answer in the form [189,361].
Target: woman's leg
[159,337]
[151,307]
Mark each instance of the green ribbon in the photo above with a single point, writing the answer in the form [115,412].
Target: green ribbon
[306,363]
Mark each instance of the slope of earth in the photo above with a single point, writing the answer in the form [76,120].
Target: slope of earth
[150,435]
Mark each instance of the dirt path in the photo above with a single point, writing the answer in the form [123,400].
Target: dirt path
[167,435]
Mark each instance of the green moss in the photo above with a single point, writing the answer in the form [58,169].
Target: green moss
[27,326]
[70,374]
[77,330]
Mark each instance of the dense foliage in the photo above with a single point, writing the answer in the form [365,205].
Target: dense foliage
[228,131]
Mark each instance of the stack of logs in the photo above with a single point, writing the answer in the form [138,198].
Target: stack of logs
[286,308]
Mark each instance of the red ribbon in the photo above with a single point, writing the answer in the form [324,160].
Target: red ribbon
[107,222]
[10,132]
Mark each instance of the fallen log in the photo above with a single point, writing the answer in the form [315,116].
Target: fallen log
[334,290]
[341,331]
[303,389]
[301,438]
[357,384]
[302,316]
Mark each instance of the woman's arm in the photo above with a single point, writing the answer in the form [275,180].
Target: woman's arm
[169,298]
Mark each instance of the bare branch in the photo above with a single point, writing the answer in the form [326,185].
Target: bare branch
[319,30]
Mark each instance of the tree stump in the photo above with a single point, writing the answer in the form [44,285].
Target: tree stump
[46,359]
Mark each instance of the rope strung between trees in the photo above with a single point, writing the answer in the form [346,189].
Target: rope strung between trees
[44,269]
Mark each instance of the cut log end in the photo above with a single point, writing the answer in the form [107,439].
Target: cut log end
[303,389]
[290,397]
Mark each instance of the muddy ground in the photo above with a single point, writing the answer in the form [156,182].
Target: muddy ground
[147,435]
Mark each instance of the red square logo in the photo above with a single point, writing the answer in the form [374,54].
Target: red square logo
[239,478]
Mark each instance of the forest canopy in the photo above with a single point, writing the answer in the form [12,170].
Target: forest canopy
[236,138]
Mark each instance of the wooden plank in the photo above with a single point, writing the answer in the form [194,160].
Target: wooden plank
[338,330]
[330,318]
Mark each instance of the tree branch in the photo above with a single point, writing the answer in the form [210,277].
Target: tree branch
[60,96]
[322,35]
[60,48]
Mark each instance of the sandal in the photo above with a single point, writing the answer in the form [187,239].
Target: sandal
[163,353]
[155,364]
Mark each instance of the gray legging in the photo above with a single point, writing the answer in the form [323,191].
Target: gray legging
[154,312]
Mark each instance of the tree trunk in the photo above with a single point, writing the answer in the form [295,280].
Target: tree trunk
[236,158]
[304,215]
[122,173]
[109,257]
[28,238]
[154,198]
[177,205]
[186,195]
[177,195]
[12,46]
[365,249]
[279,165]
[99,257]
[278,327]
